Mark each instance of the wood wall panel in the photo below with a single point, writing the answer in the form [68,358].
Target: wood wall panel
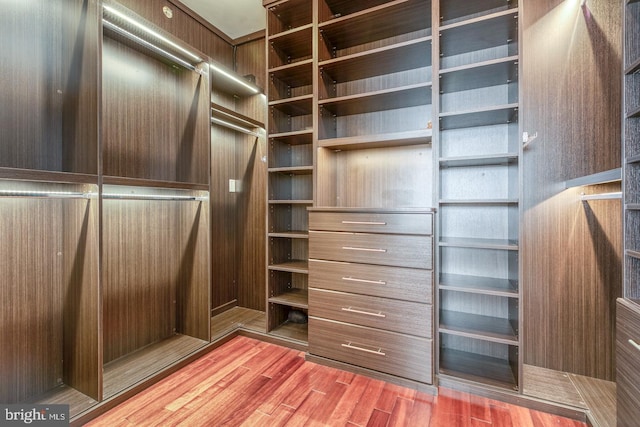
[570,249]
[48,72]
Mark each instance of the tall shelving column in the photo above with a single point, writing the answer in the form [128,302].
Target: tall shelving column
[628,308]
[479,188]
[290,162]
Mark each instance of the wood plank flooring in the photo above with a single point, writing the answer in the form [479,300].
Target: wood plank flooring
[247,382]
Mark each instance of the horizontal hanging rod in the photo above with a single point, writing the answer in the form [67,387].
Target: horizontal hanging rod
[234,127]
[161,197]
[601,196]
[46,194]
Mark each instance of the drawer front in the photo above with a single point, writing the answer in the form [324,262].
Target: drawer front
[394,250]
[388,282]
[363,222]
[391,315]
[627,362]
[396,354]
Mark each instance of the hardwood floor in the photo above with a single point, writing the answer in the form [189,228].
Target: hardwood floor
[252,383]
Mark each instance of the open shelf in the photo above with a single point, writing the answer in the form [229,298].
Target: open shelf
[136,182]
[477,368]
[633,159]
[296,234]
[47,176]
[395,139]
[65,395]
[293,170]
[633,67]
[292,331]
[235,117]
[291,80]
[298,137]
[381,100]
[394,58]
[634,112]
[632,253]
[476,243]
[298,106]
[291,202]
[482,74]
[475,326]
[493,115]
[290,46]
[126,371]
[376,23]
[480,160]
[293,298]
[293,266]
[291,14]
[479,285]
[479,33]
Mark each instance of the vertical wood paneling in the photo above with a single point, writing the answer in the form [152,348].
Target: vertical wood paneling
[571,250]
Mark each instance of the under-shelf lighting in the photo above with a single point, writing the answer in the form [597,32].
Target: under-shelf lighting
[230,76]
[45,194]
[601,196]
[234,127]
[144,42]
[163,197]
[150,32]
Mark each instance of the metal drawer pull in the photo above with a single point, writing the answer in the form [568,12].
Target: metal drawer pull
[378,352]
[635,344]
[351,248]
[368,313]
[364,222]
[373,282]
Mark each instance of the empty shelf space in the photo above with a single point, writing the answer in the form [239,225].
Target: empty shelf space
[477,367]
[293,266]
[293,170]
[47,176]
[290,202]
[233,117]
[291,331]
[479,285]
[453,11]
[293,298]
[295,41]
[300,137]
[596,178]
[483,74]
[479,202]
[135,367]
[295,75]
[486,116]
[300,234]
[633,206]
[65,395]
[479,33]
[237,318]
[481,160]
[394,139]
[381,100]
[376,23]
[635,112]
[287,15]
[633,159]
[137,182]
[476,326]
[465,242]
[379,61]
[298,106]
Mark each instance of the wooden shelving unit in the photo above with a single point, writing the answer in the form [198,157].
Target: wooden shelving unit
[478,187]
[290,59]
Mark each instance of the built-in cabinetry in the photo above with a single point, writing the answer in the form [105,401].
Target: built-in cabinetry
[628,309]
[478,191]
[371,289]
[50,310]
[290,163]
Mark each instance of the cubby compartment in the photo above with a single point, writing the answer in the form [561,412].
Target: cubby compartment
[288,288]
[457,95]
[632,140]
[632,185]
[294,115]
[632,92]
[50,87]
[155,280]
[482,183]
[495,261]
[480,361]
[360,177]
[291,152]
[474,146]
[50,307]
[290,47]
[287,15]
[375,26]
[291,185]
[499,222]
[291,81]
[288,218]
[631,35]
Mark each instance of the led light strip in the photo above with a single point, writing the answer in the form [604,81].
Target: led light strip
[129,35]
[234,78]
[45,194]
[151,32]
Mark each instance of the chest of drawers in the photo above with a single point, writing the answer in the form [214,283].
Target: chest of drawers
[371,290]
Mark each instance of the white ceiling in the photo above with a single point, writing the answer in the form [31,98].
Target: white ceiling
[235,18]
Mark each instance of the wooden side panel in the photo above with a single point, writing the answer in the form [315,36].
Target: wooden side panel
[571,251]
[628,380]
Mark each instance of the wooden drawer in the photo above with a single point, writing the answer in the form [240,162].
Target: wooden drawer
[627,362]
[381,249]
[388,314]
[408,284]
[396,354]
[371,222]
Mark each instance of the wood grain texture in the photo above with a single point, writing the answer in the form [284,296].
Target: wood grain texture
[628,380]
[576,118]
[246,382]
[52,124]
